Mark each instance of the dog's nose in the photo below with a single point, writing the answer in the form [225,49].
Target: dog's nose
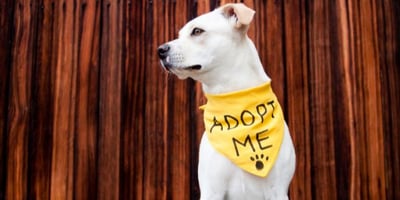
[163,51]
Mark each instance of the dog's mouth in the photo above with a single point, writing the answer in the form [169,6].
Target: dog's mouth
[193,67]
[168,66]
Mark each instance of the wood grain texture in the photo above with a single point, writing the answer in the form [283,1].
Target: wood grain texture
[110,106]
[65,67]
[41,133]
[321,86]
[6,22]
[87,96]
[132,147]
[155,124]
[87,112]
[20,100]
[298,117]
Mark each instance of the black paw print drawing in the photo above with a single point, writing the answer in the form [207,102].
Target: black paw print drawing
[259,161]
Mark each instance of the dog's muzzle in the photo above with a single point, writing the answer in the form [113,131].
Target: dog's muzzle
[163,54]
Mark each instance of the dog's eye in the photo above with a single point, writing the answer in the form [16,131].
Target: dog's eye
[196,31]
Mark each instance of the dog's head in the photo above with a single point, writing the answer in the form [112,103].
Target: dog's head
[208,42]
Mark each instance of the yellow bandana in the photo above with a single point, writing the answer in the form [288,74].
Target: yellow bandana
[246,126]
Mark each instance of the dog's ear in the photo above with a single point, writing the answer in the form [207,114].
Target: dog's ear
[243,14]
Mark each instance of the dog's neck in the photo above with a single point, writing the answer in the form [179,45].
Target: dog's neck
[245,71]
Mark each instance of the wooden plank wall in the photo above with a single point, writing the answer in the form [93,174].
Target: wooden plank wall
[86,112]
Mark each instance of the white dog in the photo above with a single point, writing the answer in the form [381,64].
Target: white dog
[246,151]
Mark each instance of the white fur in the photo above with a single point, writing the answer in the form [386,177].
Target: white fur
[229,62]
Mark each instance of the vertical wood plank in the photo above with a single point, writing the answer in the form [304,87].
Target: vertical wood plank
[321,108]
[178,134]
[64,101]
[390,10]
[132,164]
[155,143]
[368,112]
[19,100]
[87,95]
[110,99]
[40,133]
[343,116]
[298,117]
[387,27]
[6,22]
[355,60]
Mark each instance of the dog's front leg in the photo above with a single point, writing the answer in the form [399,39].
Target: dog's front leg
[215,172]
